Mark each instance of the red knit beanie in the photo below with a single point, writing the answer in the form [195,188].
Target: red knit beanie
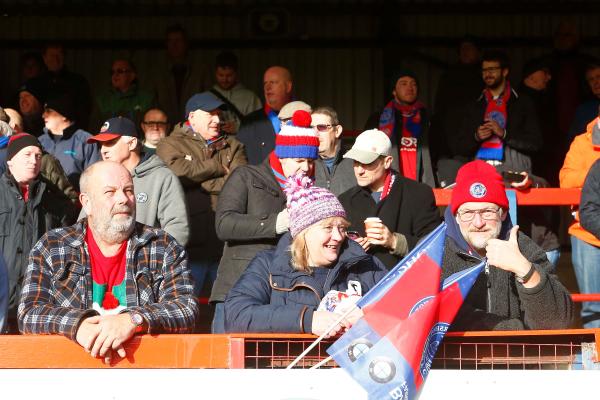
[478,181]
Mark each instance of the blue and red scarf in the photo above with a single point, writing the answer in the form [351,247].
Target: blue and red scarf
[493,148]
[409,137]
[277,170]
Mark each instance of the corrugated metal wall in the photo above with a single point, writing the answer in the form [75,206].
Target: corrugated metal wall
[337,60]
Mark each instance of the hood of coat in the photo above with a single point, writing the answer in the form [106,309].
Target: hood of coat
[453,232]
[149,163]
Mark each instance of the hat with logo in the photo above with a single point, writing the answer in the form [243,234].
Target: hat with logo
[308,204]
[479,182]
[370,145]
[298,139]
[205,101]
[115,128]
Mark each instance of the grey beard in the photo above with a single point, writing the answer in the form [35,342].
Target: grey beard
[112,232]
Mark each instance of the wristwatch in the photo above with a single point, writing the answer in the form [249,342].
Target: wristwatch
[137,320]
[525,278]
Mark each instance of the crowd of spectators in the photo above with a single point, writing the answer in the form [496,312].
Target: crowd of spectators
[194,186]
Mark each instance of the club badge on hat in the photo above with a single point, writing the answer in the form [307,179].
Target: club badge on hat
[478,190]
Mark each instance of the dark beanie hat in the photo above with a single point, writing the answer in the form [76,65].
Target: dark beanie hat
[37,87]
[63,105]
[18,142]
[537,64]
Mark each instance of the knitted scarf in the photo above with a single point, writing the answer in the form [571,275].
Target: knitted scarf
[408,139]
[272,115]
[493,147]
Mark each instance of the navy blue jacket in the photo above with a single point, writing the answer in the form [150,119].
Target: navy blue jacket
[257,135]
[271,296]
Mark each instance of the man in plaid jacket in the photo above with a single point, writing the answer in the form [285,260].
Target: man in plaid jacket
[107,277]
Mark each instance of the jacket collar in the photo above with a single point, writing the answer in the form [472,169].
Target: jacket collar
[350,254]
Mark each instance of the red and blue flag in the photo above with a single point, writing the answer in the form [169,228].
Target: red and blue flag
[389,351]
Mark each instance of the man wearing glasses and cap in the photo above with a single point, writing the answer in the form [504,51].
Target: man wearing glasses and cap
[159,197]
[517,290]
[203,158]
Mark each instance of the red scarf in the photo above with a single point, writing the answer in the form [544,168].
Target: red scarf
[493,148]
[411,131]
[387,184]
[277,169]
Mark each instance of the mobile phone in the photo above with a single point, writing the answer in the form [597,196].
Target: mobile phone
[352,235]
[512,176]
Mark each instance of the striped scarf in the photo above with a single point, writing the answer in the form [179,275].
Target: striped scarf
[493,147]
[277,170]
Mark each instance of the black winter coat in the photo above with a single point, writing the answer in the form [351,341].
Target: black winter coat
[271,296]
[522,127]
[23,223]
[245,220]
[409,209]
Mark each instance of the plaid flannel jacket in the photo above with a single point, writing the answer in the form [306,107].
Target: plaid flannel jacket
[57,290]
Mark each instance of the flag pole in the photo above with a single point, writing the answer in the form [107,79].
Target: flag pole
[320,338]
[321,363]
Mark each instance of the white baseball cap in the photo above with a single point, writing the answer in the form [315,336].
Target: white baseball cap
[370,145]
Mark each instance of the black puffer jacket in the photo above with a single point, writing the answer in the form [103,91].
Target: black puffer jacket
[497,301]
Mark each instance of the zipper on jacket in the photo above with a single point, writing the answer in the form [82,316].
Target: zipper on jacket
[488,285]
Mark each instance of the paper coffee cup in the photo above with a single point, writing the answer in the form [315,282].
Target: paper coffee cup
[370,221]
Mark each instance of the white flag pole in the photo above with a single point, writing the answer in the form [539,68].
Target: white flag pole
[320,338]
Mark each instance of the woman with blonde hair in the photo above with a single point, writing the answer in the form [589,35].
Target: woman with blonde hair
[314,269]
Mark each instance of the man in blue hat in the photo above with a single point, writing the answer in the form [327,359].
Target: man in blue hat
[202,156]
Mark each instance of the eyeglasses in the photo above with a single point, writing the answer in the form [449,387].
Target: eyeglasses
[119,71]
[323,127]
[155,124]
[490,69]
[488,214]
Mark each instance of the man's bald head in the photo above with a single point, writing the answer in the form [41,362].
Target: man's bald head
[277,85]
[108,198]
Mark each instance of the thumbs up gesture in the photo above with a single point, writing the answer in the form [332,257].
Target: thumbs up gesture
[505,254]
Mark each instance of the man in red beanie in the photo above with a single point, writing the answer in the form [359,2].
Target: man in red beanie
[517,291]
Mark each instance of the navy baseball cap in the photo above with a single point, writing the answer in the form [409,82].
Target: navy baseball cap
[205,101]
[113,129]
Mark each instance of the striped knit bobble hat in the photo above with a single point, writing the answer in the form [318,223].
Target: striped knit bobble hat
[308,204]
[298,139]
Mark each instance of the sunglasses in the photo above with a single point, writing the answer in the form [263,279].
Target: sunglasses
[323,127]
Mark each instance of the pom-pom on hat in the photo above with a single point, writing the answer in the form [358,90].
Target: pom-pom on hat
[478,181]
[297,139]
[308,204]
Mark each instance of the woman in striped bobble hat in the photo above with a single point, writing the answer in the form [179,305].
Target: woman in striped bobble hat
[312,276]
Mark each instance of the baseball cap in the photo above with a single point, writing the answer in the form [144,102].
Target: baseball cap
[205,101]
[287,111]
[370,145]
[115,128]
